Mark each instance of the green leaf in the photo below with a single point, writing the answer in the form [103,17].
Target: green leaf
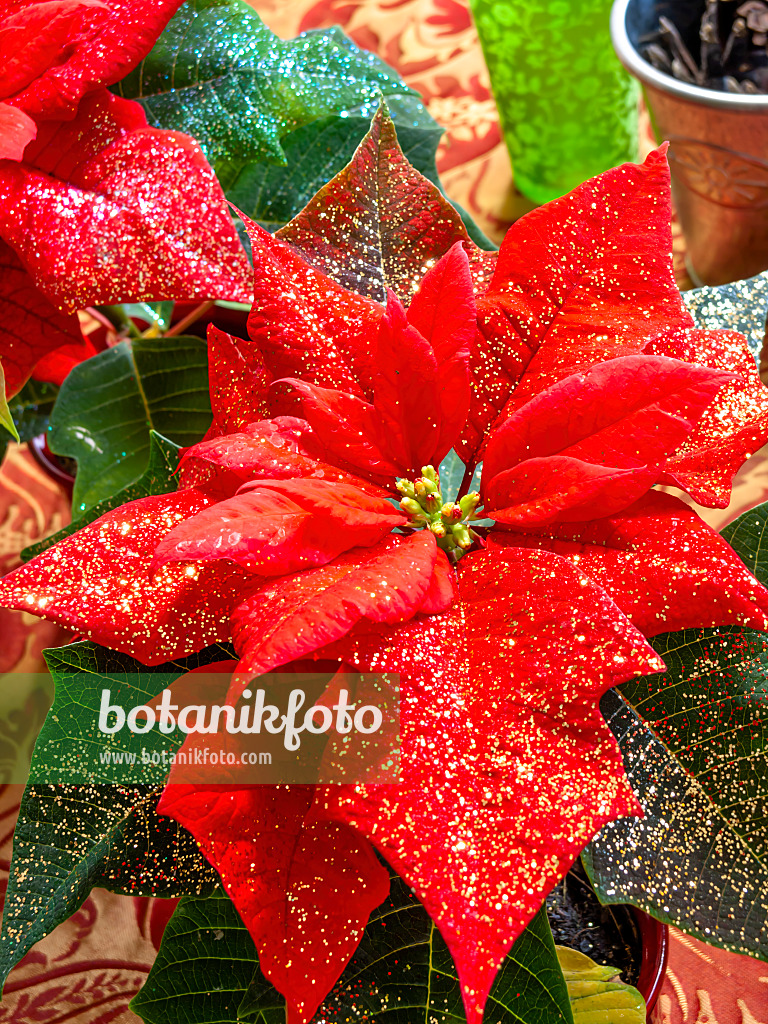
[108,405]
[219,74]
[158,478]
[72,837]
[207,971]
[694,742]
[747,536]
[203,969]
[597,995]
[740,306]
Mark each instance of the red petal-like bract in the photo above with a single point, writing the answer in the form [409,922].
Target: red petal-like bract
[443,311]
[734,426]
[581,280]
[662,565]
[283,448]
[53,52]
[105,209]
[282,526]
[31,326]
[595,442]
[303,886]
[288,618]
[419,382]
[508,767]
[389,222]
[98,583]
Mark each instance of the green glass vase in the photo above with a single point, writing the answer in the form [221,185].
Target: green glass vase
[567,107]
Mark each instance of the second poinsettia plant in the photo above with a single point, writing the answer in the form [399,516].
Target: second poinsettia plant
[322,518]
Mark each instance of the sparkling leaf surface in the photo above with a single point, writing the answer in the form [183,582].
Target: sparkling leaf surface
[583,279]
[662,565]
[108,406]
[219,74]
[733,427]
[740,306]
[305,324]
[304,886]
[694,746]
[72,837]
[747,536]
[115,599]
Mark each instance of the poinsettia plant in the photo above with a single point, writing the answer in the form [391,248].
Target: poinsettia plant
[424,459]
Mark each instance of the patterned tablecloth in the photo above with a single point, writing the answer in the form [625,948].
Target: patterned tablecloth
[87,970]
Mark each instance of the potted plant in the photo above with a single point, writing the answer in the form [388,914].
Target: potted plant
[335,518]
[702,66]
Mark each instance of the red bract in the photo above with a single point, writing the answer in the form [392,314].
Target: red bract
[584,385]
[104,208]
[96,207]
[305,886]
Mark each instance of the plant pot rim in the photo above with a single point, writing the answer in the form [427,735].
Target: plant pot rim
[649,75]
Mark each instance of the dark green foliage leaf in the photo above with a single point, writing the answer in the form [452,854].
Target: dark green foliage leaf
[748,538]
[695,748]
[71,837]
[204,968]
[108,405]
[158,478]
[207,971]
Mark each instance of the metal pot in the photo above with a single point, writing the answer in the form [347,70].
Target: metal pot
[718,155]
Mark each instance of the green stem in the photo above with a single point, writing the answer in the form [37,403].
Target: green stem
[120,320]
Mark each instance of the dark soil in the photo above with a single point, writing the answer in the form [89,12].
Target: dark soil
[609,935]
[717,44]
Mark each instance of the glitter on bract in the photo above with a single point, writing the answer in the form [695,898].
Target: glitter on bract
[304,886]
[734,426]
[662,565]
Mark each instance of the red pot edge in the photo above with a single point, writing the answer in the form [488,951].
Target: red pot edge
[653,965]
